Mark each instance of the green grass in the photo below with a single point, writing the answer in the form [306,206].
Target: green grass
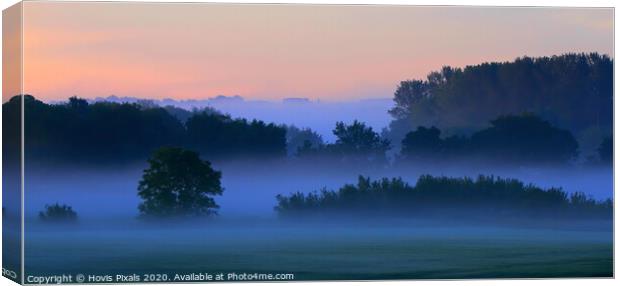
[316,253]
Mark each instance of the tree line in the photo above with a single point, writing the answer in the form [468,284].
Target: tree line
[515,139]
[574,91]
[485,197]
[511,139]
[81,132]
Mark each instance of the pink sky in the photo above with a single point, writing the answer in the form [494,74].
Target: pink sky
[277,51]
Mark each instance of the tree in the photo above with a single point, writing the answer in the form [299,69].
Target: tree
[178,183]
[58,213]
[358,142]
[301,139]
[572,90]
[454,198]
[101,132]
[510,139]
[422,143]
[110,132]
[216,135]
[408,93]
[525,138]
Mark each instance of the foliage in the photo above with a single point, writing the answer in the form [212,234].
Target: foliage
[422,144]
[178,183]
[509,139]
[486,197]
[79,131]
[58,213]
[305,138]
[99,132]
[356,143]
[525,138]
[216,135]
[574,91]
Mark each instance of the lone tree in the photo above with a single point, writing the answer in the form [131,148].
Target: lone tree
[178,183]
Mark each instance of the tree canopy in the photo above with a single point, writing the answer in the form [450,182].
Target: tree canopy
[573,91]
[525,138]
[355,143]
[298,139]
[83,132]
[216,135]
[178,183]
[510,139]
[485,197]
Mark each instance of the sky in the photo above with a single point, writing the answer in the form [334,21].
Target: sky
[271,52]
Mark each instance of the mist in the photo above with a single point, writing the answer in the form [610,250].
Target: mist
[250,186]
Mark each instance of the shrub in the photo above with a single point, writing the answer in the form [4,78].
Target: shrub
[58,213]
[485,196]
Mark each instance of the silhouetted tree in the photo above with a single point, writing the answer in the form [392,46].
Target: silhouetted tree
[574,91]
[525,138]
[358,142]
[217,135]
[178,183]
[305,138]
[408,94]
[105,132]
[77,131]
[58,213]
[356,145]
[486,197]
[422,144]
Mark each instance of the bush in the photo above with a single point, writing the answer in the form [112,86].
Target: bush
[485,196]
[58,213]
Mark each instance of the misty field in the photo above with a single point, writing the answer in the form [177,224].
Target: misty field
[332,251]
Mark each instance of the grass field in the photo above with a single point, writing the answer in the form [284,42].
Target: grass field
[332,252]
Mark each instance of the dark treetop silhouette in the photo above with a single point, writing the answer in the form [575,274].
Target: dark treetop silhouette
[58,213]
[215,135]
[486,197]
[178,184]
[356,143]
[572,91]
[515,139]
[568,93]
[106,132]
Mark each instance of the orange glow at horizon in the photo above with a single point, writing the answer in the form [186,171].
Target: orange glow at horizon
[182,51]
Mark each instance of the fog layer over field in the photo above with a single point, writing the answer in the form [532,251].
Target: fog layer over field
[251,187]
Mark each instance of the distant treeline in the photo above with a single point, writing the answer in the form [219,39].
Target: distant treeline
[514,139]
[573,91]
[81,132]
[486,197]
[540,110]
